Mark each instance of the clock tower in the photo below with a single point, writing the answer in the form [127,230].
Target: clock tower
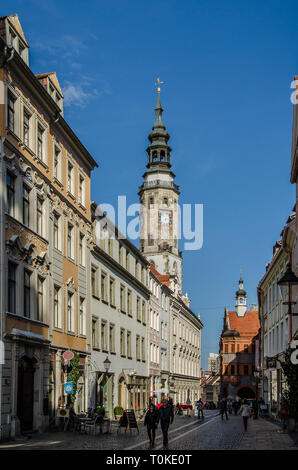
[159,228]
[241,300]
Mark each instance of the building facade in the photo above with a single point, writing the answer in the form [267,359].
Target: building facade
[237,349]
[275,322]
[45,227]
[119,321]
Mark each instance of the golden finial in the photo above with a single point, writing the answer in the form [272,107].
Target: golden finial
[157,83]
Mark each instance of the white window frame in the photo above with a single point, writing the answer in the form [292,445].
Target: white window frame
[82,190]
[16,127]
[44,156]
[58,175]
[82,316]
[71,317]
[70,187]
[72,241]
[58,317]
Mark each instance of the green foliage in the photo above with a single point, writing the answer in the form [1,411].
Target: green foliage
[291,373]
[74,375]
[100,411]
[118,410]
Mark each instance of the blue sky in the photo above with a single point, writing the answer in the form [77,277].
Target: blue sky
[228,66]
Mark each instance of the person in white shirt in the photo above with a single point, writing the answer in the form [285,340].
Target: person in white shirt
[245,413]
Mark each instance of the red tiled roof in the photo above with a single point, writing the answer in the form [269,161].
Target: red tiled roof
[247,325]
[164,278]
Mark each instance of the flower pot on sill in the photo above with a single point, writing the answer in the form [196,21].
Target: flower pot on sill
[118,417]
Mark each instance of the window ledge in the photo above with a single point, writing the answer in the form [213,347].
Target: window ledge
[112,305]
[105,302]
[42,162]
[56,180]
[82,206]
[95,348]
[71,195]
[71,333]
[95,296]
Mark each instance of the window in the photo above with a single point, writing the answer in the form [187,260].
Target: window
[82,190]
[232,370]
[26,128]
[122,342]
[120,255]
[245,370]
[150,240]
[10,185]
[112,338]
[70,177]
[226,348]
[40,142]
[128,339]
[11,37]
[26,205]
[127,261]
[151,201]
[122,298]
[143,349]
[94,281]
[138,309]
[70,312]
[22,51]
[82,318]
[95,344]
[165,201]
[138,348]
[70,241]
[11,112]
[56,231]
[39,216]
[104,339]
[112,292]
[129,303]
[57,307]
[40,305]
[57,163]
[27,275]
[104,293]
[82,250]
[144,312]
[11,287]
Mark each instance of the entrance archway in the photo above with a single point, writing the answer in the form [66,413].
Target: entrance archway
[246,392]
[26,370]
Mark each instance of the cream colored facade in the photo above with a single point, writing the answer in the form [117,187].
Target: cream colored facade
[119,315]
[45,232]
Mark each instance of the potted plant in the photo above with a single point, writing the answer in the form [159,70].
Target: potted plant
[101,411]
[118,412]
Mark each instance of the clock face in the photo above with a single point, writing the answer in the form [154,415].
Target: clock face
[165,218]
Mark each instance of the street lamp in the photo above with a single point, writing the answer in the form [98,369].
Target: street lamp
[289,279]
[107,364]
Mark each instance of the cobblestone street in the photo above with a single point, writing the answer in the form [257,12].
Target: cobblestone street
[185,434]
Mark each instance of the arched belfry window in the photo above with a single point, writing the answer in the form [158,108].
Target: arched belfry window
[162,156]
[154,156]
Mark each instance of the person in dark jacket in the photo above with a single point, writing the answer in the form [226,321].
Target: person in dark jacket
[151,421]
[166,416]
[224,408]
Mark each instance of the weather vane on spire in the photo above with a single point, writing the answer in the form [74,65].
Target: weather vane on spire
[158,83]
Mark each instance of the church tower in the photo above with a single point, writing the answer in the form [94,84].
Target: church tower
[159,228]
[241,300]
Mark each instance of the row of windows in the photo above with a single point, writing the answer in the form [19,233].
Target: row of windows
[34,135]
[185,333]
[233,348]
[154,353]
[239,370]
[276,340]
[34,216]
[123,257]
[103,337]
[186,366]
[104,287]
[34,300]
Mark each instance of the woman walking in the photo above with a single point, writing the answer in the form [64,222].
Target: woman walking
[151,421]
[245,413]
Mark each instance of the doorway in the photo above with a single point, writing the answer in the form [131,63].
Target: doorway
[26,370]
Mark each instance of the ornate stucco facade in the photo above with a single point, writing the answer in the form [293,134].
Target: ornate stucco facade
[45,233]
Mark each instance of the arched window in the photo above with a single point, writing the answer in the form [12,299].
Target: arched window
[154,156]
[162,156]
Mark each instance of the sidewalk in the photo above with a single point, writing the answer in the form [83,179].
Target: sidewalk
[263,434]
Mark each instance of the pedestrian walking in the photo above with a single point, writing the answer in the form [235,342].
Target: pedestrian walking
[245,413]
[224,408]
[200,406]
[71,420]
[151,421]
[235,407]
[166,417]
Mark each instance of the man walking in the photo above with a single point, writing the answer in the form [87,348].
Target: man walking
[200,406]
[245,413]
[224,408]
[166,417]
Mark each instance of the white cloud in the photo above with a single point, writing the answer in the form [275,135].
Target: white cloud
[74,95]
